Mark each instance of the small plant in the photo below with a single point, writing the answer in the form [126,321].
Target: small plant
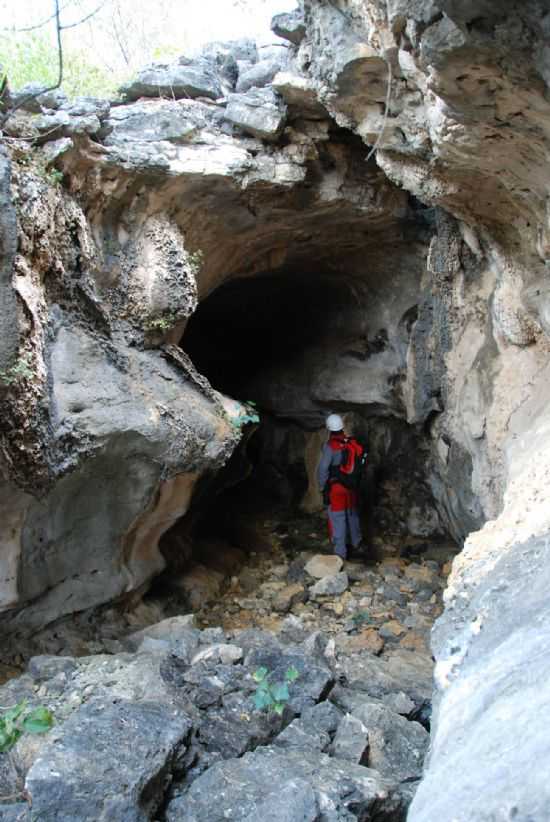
[250,415]
[54,176]
[195,260]
[162,323]
[21,370]
[20,719]
[361,618]
[272,696]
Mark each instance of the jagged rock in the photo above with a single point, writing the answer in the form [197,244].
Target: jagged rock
[289,596]
[87,106]
[187,78]
[351,741]
[108,761]
[258,112]
[313,730]
[329,586]
[172,634]
[38,101]
[396,745]
[151,120]
[307,782]
[299,94]
[290,26]
[258,76]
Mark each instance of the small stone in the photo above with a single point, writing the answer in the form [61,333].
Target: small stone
[329,586]
[226,654]
[289,596]
[324,566]
[392,630]
[367,640]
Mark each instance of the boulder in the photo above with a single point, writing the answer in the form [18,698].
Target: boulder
[258,76]
[259,112]
[288,596]
[396,746]
[152,120]
[290,26]
[186,78]
[30,98]
[322,565]
[221,652]
[351,741]
[108,761]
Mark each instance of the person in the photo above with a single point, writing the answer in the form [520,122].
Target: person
[342,502]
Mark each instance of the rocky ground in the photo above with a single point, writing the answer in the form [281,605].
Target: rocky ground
[161,723]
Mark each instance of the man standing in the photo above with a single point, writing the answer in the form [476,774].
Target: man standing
[342,501]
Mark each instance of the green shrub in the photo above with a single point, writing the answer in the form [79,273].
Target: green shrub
[21,370]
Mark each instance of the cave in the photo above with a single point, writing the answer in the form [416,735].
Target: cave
[300,343]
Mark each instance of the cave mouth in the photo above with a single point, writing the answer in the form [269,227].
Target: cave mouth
[301,344]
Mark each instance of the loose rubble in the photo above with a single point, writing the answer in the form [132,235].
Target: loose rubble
[169,714]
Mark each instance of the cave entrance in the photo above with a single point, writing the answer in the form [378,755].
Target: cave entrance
[302,344]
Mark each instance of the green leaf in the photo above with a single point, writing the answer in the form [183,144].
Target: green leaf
[292,674]
[15,712]
[38,721]
[8,740]
[279,708]
[279,692]
[262,700]
[260,674]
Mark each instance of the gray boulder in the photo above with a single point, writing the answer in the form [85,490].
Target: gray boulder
[396,746]
[289,786]
[153,120]
[258,76]
[351,741]
[290,26]
[260,113]
[30,99]
[86,106]
[196,78]
[108,761]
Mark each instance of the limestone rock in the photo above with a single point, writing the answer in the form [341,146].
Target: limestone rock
[258,112]
[258,76]
[329,586]
[289,596]
[396,745]
[108,760]
[305,781]
[184,79]
[226,654]
[290,26]
[351,741]
[322,565]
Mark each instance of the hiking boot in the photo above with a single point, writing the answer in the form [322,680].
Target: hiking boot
[358,551]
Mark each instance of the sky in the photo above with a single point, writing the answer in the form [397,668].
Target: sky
[174,22]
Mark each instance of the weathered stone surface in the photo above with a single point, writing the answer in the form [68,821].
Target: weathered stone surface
[322,565]
[8,246]
[184,79]
[307,783]
[329,586]
[396,745]
[258,76]
[224,653]
[290,26]
[259,112]
[108,761]
[351,741]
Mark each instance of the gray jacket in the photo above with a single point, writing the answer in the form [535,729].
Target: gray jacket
[329,458]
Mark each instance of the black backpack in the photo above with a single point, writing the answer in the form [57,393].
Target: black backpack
[352,467]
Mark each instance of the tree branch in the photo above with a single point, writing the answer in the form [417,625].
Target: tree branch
[84,19]
[29,97]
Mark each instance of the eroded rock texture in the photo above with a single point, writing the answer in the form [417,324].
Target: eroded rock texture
[437,248]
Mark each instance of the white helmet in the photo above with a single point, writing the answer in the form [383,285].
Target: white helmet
[335,422]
